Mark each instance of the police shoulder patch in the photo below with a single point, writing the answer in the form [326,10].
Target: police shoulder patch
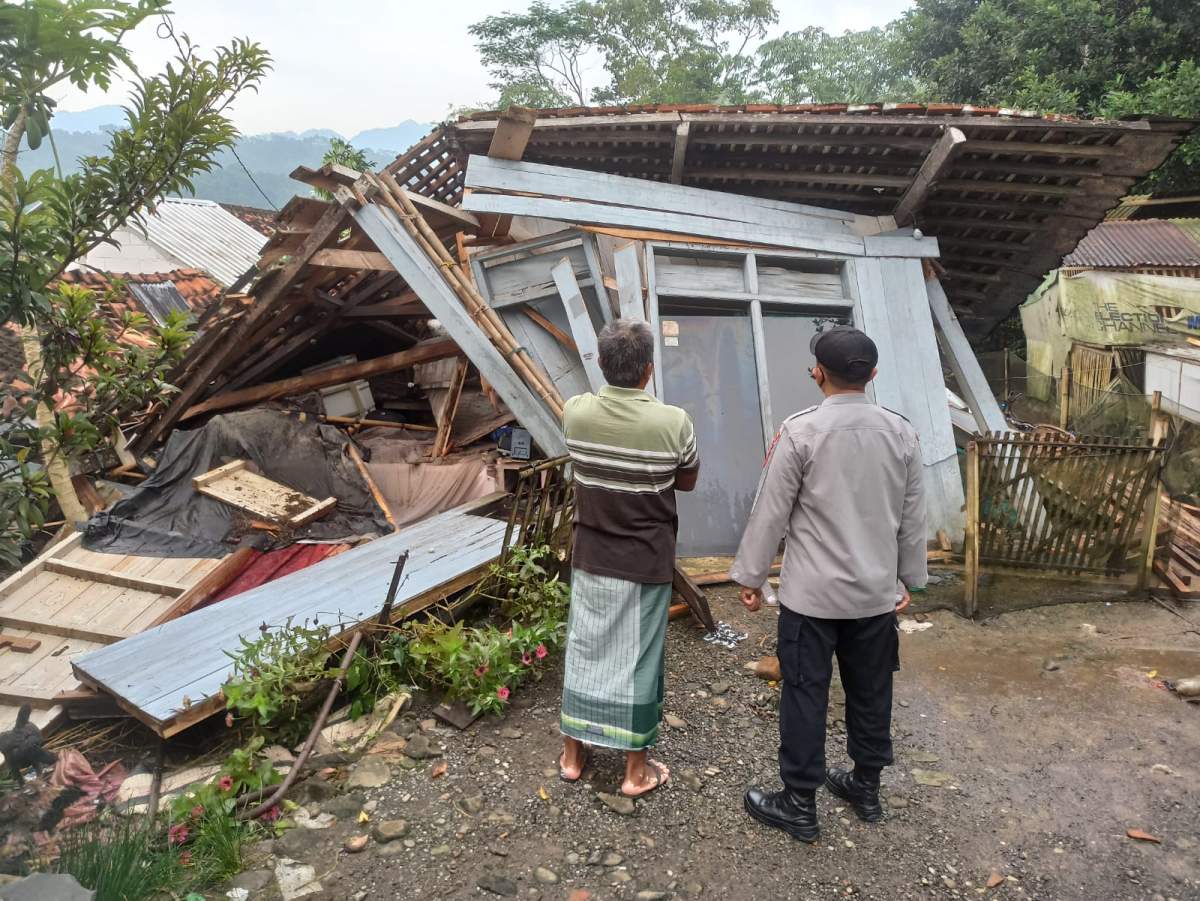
[802,412]
[894,413]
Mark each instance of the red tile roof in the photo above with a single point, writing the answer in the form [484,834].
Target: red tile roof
[262,221]
[193,285]
[1136,244]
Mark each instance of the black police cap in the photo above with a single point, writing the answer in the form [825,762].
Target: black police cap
[845,351]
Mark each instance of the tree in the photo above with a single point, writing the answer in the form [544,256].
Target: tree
[86,374]
[813,66]
[45,43]
[342,153]
[1083,57]
[652,51]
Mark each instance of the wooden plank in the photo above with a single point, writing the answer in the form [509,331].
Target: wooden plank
[424,278]
[629,282]
[352,259]
[679,223]
[693,596]
[212,582]
[963,362]
[64,630]
[679,153]
[935,163]
[18,644]
[441,444]
[580,320]
[425,352]
[580,184]
[900,246]
[263,497]
[216,475]
[108,577]
[509,141]
[559,335]
[26,573]
[971,538]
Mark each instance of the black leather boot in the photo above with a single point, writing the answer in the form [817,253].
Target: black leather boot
[861,792]
[793,812]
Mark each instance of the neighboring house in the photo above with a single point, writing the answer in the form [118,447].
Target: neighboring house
[183,234]
[154,293]
[262,221]
[1128,284]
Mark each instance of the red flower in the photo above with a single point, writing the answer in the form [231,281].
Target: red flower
[225,783]
[502,692]
[526,658]
[271,815]
[481,671]
[197,812]
[177,834]
[541,651]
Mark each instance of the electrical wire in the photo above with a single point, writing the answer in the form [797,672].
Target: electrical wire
[167,30]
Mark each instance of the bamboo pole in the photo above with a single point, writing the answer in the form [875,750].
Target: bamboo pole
[1064,397]
[483,315]
[480,311]
[971,542]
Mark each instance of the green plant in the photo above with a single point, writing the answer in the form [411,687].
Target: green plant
[274,676]
[481,665]
[120,858]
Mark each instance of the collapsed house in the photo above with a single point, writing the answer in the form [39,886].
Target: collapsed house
[438,314]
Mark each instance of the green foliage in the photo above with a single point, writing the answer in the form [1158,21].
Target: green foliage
[92,374]
[662,51]
[343,153]
[813,66]
[274,677]
[120,858]
[480,665]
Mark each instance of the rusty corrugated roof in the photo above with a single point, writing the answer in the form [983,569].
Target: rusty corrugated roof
[1138,244]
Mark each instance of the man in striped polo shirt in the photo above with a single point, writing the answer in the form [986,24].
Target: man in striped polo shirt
[629,454]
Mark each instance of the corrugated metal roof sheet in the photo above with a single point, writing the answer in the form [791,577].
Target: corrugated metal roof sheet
[204,236]
[1138,244]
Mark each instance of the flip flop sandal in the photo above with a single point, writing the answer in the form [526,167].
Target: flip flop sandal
[587,759]
[660,780]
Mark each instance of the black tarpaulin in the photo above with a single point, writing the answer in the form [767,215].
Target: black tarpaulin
[166,517]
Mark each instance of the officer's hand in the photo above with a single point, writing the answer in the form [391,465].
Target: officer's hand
[752,598]
[904,601]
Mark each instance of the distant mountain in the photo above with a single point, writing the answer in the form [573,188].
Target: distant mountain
[397,139]
[269,157]
[98,118]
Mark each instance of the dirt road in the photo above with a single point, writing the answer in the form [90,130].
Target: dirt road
[1041,733]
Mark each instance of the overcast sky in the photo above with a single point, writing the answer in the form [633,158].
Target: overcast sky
[357,64]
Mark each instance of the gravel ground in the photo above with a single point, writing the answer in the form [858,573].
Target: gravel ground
[1041,731]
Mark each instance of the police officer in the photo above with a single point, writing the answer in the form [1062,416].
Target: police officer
[842,484]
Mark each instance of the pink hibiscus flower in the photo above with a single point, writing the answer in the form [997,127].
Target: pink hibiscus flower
[481,671]
[526,658]
[225,783]
[177,834]
[272,815]
[541,652]
[502,692]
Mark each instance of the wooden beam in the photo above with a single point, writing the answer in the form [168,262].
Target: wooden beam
[442,214]
[424,277]
[352,259]
[328,226]
[18,645]
[679,223]
[629,282]
[380,501]
[335,375]
[78,631]
[441,444]
[963,362]
[558,334]
[936,161]
[679,155]
[580,320]
[108,577]
[1033,148]
[509,141]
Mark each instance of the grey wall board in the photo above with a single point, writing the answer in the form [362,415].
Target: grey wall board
[186,658]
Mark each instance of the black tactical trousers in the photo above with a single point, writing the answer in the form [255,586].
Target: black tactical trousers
[868,653]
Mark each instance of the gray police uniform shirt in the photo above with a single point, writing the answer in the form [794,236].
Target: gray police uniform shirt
[842,481]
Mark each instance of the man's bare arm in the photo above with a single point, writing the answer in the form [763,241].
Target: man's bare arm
[685,479]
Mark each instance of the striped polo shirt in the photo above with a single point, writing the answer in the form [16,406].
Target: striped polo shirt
[626,448]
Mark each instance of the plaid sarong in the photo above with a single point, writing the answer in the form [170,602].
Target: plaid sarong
[613,680]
